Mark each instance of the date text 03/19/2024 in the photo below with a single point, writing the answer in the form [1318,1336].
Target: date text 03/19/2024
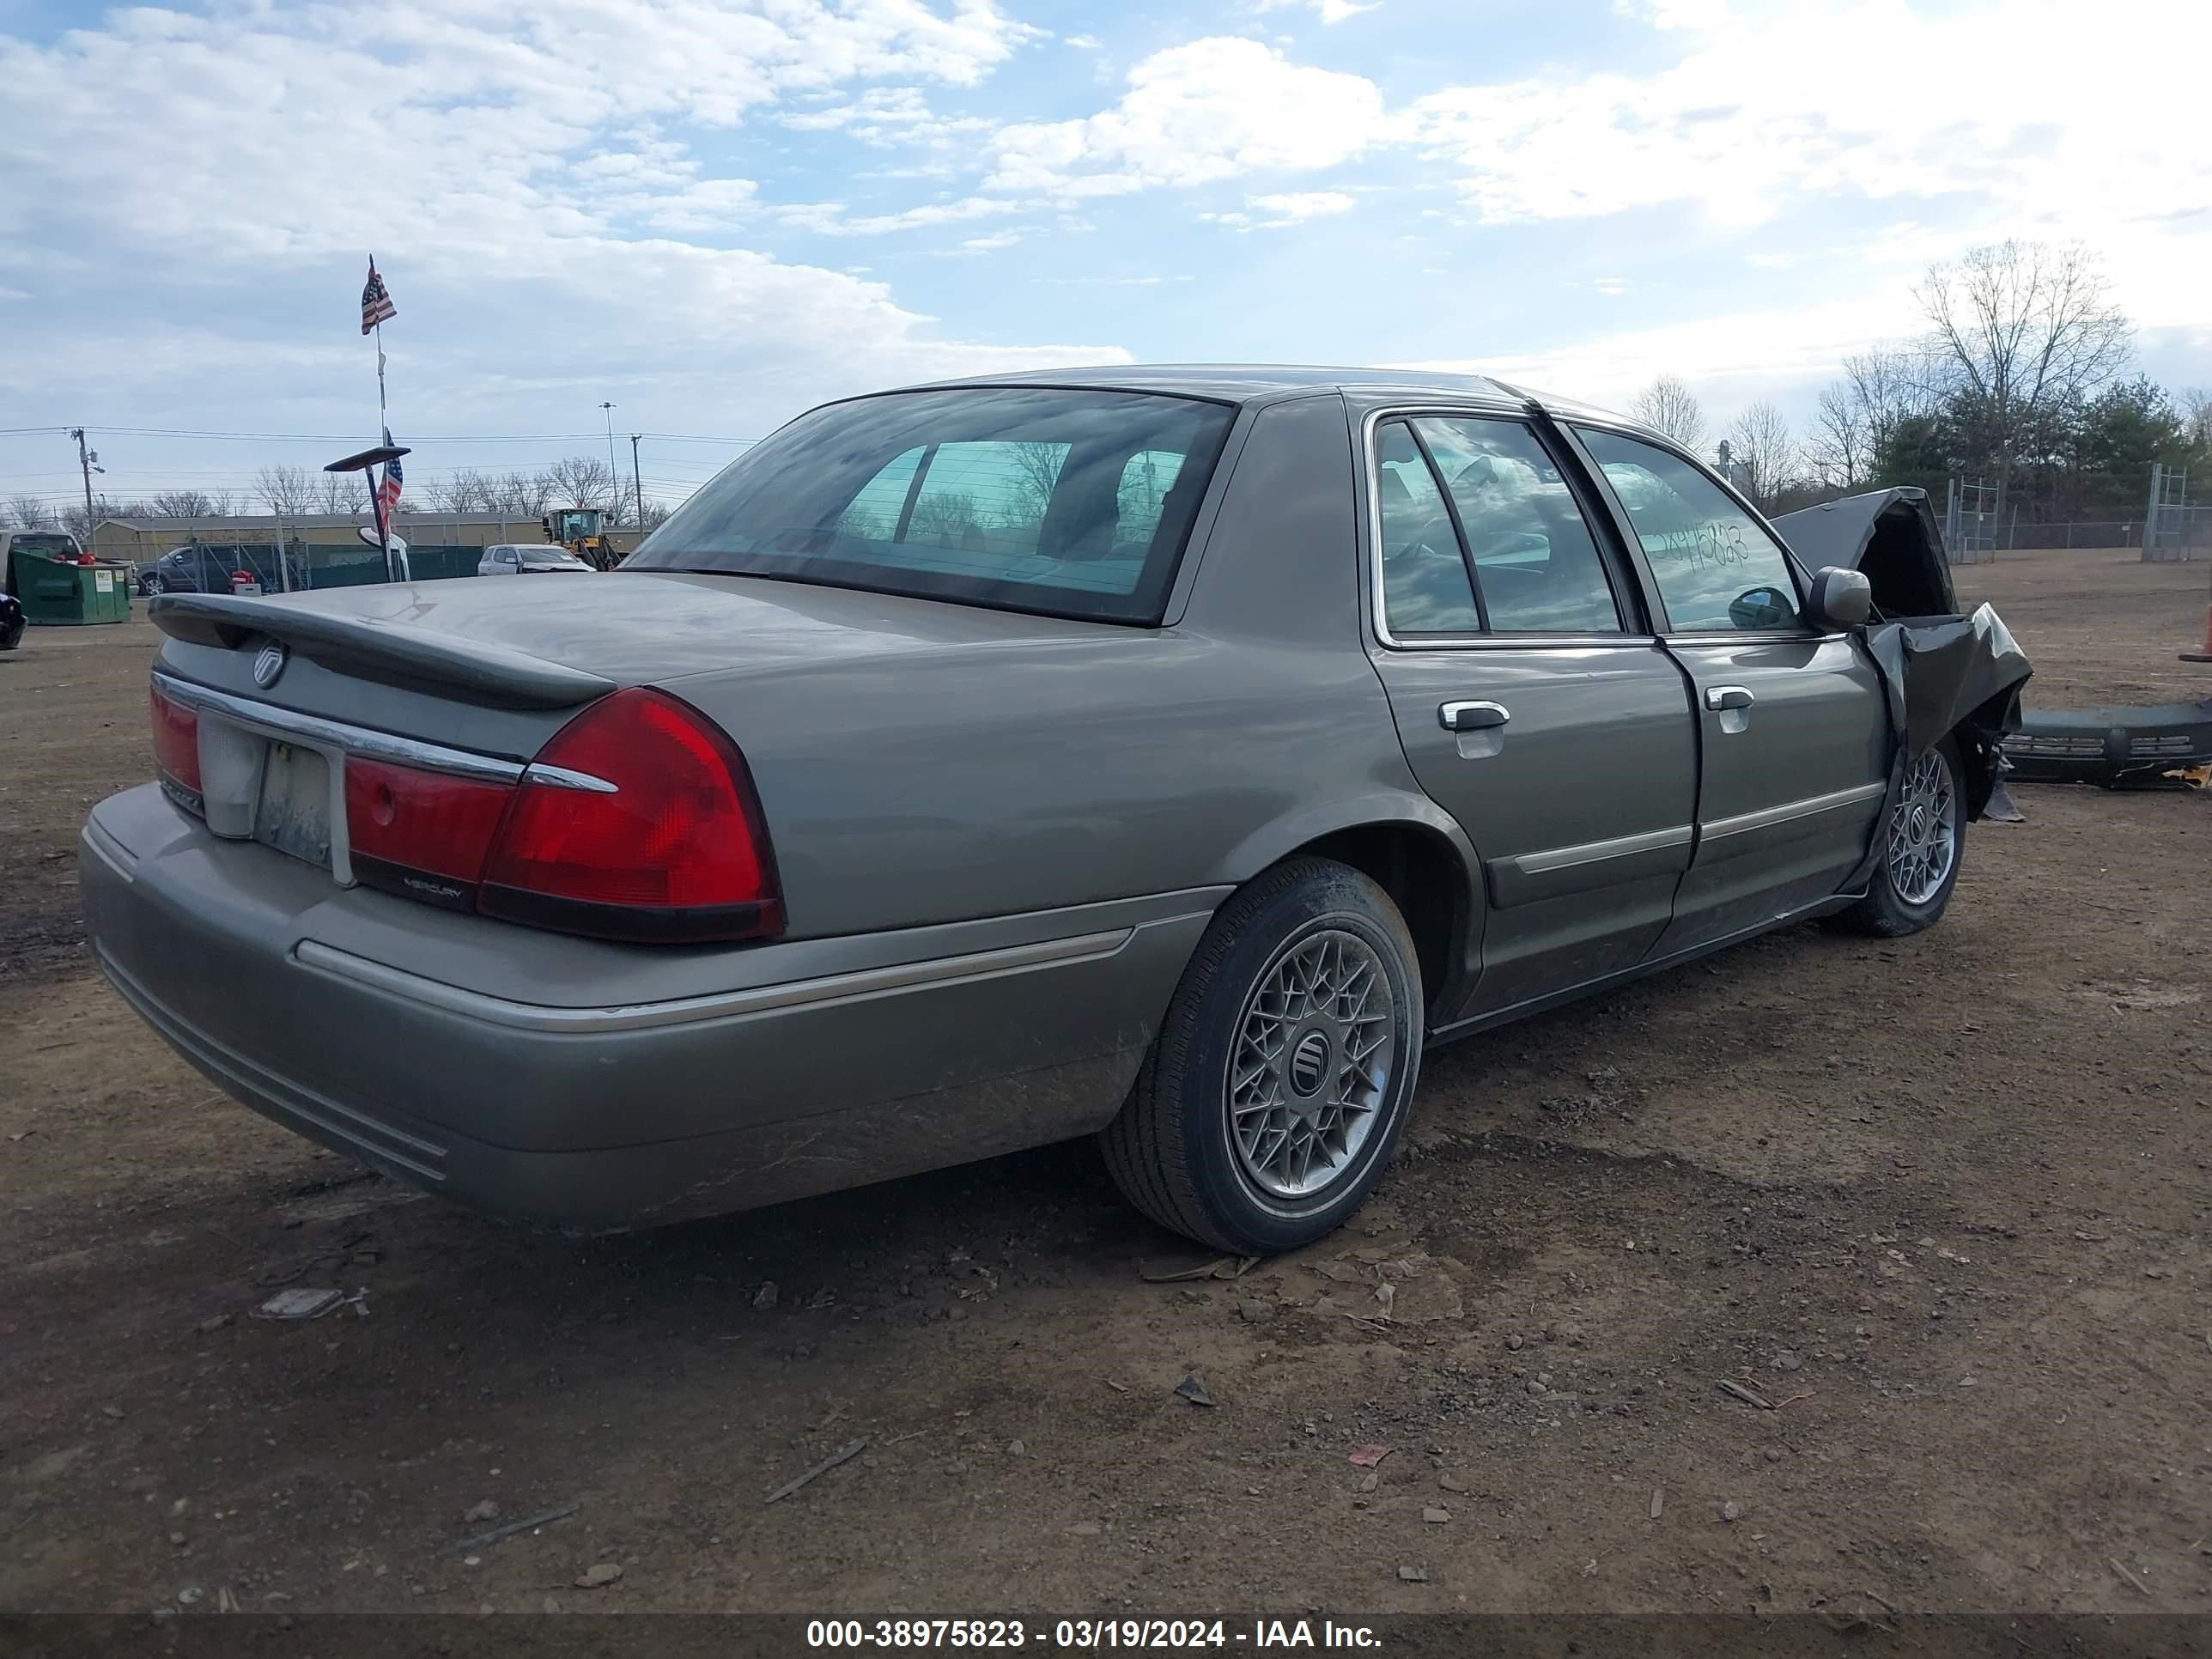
[1086,1635]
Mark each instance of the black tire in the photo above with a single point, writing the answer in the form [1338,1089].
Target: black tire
[1887,912]
[1173,1151]
[149,585]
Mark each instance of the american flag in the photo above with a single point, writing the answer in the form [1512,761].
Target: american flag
[376,305]
[387,493]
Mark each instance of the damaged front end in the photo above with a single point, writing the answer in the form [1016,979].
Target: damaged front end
[1945,674]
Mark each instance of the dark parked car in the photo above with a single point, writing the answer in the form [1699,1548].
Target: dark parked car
[11,622]
[1169,755]
[208,568]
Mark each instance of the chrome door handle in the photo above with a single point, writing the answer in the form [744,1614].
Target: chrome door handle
[1472,716]
[1718,697]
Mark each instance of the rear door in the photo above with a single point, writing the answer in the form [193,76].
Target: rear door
[1794,726]
[1533,702]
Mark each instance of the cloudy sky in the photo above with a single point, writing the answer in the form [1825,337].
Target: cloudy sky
[714,212]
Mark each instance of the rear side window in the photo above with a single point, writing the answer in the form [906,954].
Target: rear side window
[1072,503]
[1717,568]
[1425,588]
[1533,553]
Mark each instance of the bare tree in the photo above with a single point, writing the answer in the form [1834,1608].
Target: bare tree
[465,491]
[286,491]
[29,512]
[584,481]
[1666,404]
[518,494]
[1761,440]
[2197,415]
[185,504]
[1838,446]
[341,492]
[2029,329]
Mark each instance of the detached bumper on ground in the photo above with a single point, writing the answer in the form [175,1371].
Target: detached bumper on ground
[622,1087]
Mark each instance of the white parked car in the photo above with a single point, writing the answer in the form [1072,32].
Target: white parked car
[523,559]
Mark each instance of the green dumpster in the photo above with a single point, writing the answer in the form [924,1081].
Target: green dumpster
[52,591]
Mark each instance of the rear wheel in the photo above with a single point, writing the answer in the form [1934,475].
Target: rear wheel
[1922,842]
[1275,1092]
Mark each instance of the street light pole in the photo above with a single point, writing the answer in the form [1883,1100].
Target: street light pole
[637,478]
[614,478]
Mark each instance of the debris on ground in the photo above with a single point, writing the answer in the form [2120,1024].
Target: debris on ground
[1737,1391]
[2134,1582]
[1731,1510]
[1435,1517]
[528,1523]
[1658,1502]
[300,1303]
[765,1297]
[487,1511]
[1413,1575]
[1194,1391]
[1367,1457]
[604,1573]
[844,1454]
[1217,1266]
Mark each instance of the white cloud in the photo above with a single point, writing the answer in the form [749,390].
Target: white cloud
[528,192]
[1817,99]
[828,218]
[1784,353]
[886,116]
[1279,212]
[1329,11]
[992,243]
[1086,43]
[1210,109]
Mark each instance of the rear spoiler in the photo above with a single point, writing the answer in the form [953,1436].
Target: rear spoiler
[373,649]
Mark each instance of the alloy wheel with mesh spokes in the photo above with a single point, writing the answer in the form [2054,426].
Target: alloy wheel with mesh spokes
[1923,830]
[1311,1066]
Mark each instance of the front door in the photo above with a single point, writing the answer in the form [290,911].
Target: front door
[1793,727]
[1561,740]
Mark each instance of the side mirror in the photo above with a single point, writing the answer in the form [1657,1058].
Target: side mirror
[1761,608]
[1838,598]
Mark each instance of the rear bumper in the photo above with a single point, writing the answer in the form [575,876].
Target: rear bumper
[580,1084]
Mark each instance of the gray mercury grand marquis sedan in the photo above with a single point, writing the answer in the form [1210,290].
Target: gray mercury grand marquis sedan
[1167,755]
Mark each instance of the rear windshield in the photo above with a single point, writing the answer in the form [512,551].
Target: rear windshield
[554,558]
[1070,503]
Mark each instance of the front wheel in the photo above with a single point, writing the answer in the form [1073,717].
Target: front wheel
[1922,843]
[148,586]
[1281,1076]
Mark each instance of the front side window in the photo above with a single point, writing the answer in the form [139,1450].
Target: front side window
[1426,589]
[1073,503]
[1717,568]
[1535,558]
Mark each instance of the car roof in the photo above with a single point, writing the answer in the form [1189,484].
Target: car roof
[1253,383]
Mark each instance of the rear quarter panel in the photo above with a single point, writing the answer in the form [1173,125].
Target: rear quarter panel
[1096,763]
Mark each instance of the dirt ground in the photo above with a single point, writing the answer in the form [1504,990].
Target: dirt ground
[1942,1203]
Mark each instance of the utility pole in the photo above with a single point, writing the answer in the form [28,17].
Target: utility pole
[88,461]
[637,478]
[614,478]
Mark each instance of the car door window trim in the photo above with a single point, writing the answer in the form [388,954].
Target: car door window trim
[1623,577]
[1655,597]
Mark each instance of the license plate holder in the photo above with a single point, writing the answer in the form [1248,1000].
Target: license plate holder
[293,814]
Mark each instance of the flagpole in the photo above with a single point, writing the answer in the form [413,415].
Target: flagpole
[384,430]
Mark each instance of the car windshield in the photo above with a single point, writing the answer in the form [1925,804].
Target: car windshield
[552,558]
[1071,503]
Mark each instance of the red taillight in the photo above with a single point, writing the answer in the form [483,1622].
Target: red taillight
[177,748]
[422,834]
[676,850]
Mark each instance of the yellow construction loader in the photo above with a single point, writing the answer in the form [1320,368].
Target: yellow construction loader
[583,532]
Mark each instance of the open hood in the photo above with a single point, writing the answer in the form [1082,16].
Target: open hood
[1890,537]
